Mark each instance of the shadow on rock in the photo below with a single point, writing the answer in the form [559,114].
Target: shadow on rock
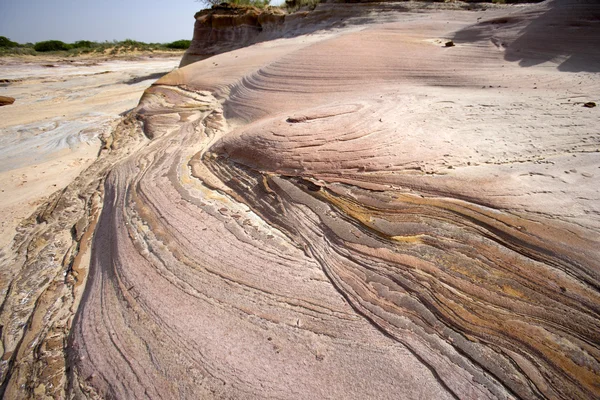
[566,32]
[138,79]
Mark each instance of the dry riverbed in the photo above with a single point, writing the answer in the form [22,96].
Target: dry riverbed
[53,131]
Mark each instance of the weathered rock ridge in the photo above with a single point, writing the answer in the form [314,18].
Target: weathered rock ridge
[229,27]
[358,212]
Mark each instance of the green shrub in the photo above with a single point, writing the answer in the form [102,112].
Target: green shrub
[254,3]
[179,44]
[6,42]
[17,51]
[294,5]
[131,42]
[51,45]
[83,44]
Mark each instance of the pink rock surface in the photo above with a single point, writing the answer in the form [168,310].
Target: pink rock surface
[360,212]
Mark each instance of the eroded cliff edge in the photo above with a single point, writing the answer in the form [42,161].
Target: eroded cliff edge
[227,27]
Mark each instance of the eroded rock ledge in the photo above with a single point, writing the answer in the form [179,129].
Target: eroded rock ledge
[228,27]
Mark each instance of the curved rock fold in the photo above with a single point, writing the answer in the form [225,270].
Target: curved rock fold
[354,213]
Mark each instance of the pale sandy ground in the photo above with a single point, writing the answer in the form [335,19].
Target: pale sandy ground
[52,131]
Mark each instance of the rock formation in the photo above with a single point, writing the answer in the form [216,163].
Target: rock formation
[360,212]
[5,100]
[228,27]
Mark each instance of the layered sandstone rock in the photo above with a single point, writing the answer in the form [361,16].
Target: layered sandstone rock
[356,213]
[228,27]
[48,139]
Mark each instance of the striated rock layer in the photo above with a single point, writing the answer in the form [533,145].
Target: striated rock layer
[49,144]
[357,213]
[228,27]
[362,213]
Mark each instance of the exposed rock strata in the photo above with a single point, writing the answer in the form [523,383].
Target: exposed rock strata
[339,170]
[44,261]
[50,262]
[227,27]
[361,213]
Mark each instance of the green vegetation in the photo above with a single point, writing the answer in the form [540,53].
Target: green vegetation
[82,44]
[515,1]
[289,5]
[8,47]
[6,42]
[294,5]
[253,3]
[179,44]
[51,45]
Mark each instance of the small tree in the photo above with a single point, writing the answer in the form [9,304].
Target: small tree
[179,44]
[51,45]
[83,44]
[6,42]
[254,3]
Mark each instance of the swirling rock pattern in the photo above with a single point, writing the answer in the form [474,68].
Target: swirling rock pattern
[49,145]
[359,213]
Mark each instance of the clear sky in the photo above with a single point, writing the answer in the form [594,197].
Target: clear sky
[70,20]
